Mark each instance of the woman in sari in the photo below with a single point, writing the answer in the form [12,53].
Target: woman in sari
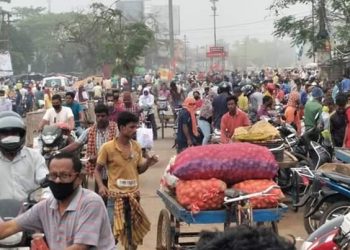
[292,113]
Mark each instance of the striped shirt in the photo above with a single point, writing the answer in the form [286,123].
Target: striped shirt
[85,221]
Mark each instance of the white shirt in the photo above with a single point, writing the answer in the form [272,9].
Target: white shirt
[97,91]
[147,102]
[53,117]
[22,175]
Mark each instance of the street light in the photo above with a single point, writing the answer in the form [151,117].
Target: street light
[213,7]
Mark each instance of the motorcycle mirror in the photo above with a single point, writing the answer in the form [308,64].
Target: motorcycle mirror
[44,183]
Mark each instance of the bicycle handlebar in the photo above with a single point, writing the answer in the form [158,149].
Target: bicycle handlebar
[263,193]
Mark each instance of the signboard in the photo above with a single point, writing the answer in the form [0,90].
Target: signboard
[165,74]
[211,54]
[216,51]
[5,64]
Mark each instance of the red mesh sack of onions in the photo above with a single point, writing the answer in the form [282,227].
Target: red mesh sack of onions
[231,163]
[254,186]
[199,195]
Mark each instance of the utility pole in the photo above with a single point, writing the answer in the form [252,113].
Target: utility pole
[313,32]
[185,42]
[213,7]
[4,30]
[49,6]
[171,31]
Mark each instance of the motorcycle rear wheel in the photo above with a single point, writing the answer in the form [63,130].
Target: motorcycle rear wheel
[312,222]
[334,210]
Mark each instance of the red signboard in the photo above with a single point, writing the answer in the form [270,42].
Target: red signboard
[216,54]
[216,49]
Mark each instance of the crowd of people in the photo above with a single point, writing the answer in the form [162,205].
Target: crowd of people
[225,103]
[116,160]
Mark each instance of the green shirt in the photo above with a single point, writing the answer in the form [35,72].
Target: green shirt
[312,108]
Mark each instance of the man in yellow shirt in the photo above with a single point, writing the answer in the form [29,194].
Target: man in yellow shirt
[243,103]
[123,159]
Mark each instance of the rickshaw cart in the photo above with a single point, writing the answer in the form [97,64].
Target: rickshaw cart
[170,219]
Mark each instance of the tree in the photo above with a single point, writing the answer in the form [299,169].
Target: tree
[329,18]
[106,38]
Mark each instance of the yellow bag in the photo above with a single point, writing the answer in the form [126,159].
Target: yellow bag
[260,131]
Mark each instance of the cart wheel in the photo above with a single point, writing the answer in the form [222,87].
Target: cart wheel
[163,231]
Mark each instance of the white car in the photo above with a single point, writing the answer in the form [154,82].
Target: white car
[55,82]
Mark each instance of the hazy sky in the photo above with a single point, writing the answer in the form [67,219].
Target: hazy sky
[236,18]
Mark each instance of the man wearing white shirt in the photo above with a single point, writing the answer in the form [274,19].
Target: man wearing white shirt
[146,102]
[22,169]
[97,91]
[57,114]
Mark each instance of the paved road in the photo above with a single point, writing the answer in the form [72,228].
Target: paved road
[292,223]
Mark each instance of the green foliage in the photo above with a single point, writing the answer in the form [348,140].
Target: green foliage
[67,42]
[300,30]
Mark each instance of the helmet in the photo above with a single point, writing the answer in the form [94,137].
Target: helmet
[270,87]
[247,89]
[224,87]
[12,122]
[317,92]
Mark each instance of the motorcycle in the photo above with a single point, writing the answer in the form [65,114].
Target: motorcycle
[53,138]
[10,209]
[328,236]
[327,198]
[310,154]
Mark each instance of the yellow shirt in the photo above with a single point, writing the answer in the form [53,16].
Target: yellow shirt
[48,102]
[267,93]
[122,170]
[243,103]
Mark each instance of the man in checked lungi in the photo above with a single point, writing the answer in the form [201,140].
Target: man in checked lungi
[124,162]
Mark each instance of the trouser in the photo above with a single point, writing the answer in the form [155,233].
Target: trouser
[151,118]
[206,129]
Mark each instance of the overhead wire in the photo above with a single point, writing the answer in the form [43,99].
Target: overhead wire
[239,24]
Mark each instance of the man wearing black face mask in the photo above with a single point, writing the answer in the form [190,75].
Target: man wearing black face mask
[21,168]
[74,218]
[57,114]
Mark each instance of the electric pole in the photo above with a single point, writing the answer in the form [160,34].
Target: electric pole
[213,7]
[313,32]
[49,6]
[171,31]
[185,42]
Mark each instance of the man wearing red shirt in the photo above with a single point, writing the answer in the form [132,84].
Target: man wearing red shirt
[233,119]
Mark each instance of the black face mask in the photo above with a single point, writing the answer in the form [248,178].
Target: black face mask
[56,107]
[196,98]
[61,191]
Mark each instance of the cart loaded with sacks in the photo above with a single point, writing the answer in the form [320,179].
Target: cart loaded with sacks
[218,184]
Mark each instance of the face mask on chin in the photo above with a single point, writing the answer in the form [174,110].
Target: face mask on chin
[56,107]
[61,191]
